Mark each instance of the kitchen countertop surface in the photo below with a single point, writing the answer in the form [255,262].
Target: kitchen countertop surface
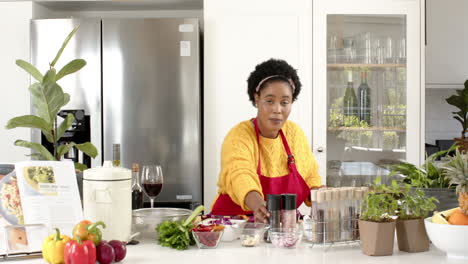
[233,252]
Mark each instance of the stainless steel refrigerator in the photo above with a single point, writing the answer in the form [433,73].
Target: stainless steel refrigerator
[140,89]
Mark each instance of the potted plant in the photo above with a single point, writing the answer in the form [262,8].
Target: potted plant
[414,206]
[377,221]
[460,100]
[48,98]
[456,170]
[430,178]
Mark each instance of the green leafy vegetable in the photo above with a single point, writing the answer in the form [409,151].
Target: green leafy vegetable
[176,234]
[380,204]
[414,203]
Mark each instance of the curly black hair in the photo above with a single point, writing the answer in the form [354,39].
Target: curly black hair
[269,68]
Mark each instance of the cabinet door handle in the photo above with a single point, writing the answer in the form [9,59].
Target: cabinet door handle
[320,149]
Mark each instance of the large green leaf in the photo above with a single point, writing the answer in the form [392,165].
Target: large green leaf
[63,149]
[66,98]
[36,156]
[48,98]
[88,148]
[32,121]
[35,146]
[80,166]
[457,101]
[65,125]
[30,69]
[65,42]
[49,76]
[71,67]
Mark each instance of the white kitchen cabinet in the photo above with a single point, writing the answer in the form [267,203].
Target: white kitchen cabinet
[238,36]
[447,42]
[14,44]
[353,131]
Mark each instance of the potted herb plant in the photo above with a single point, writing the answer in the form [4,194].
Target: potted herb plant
[48,98]
[377,221]
[460,100]
[414,206]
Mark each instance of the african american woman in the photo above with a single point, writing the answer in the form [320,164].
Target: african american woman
[267,154]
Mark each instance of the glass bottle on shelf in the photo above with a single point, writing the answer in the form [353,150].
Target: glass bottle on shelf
[137,190]
[364,99]
[116,155]
[350,103]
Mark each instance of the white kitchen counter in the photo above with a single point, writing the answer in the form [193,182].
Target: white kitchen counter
[232,252]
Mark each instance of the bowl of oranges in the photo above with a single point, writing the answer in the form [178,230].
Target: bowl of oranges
[448,231]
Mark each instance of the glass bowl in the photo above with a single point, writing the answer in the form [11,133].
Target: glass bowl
[285,237]
[251,234]
[146,220]
[231,230]
[208,239]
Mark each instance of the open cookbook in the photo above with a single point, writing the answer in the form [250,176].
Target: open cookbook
[36,196]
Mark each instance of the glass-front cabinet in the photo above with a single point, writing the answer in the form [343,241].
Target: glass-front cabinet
[367,88]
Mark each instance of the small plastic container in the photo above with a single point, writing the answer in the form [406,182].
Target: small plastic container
[252,234]
[285,238]
[208,239]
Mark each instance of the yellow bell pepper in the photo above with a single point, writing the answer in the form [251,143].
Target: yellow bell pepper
[53,248]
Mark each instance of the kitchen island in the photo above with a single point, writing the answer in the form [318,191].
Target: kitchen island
[233,252]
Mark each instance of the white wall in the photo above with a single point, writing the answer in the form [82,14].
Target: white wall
[14,44]
[440,123]
[239,35]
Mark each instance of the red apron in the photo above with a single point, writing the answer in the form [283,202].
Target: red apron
[290,183]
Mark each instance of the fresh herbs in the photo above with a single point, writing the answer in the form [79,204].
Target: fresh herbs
[385,203]
[177,234]
[380,204]
[414,203]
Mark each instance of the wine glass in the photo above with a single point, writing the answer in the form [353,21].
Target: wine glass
[152,180]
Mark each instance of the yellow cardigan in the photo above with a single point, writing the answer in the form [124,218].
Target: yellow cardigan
[239,160]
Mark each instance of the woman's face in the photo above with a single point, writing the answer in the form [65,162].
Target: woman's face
[274,103]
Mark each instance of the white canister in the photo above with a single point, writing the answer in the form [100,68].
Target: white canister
[107,197]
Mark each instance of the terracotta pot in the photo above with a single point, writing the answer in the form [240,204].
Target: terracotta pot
[412,236]
[462,141]
[377,238]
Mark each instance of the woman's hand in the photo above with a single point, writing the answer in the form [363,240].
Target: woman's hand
[261,214]
[255,202]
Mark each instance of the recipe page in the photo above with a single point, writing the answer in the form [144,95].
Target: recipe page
[13,237]
[41,195]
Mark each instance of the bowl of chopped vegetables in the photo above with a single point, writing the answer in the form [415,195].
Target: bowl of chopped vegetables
[207,236]
[285,237]
[252,234]
[232,227]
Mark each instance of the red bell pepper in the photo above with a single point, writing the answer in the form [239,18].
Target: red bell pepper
[78,252]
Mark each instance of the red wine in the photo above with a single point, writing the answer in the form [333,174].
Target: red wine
[152,189]
[137,199]
[137,191]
